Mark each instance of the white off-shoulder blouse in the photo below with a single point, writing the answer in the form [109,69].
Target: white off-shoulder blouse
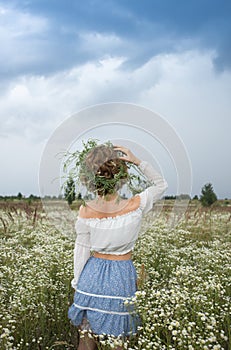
[118,234]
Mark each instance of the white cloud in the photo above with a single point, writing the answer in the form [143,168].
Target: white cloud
[183,87]
[19,165]
[21,37]
[17,23]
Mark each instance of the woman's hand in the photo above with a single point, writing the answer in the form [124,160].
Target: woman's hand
[129,156]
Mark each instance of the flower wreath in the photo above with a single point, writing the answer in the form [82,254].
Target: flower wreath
[76,168]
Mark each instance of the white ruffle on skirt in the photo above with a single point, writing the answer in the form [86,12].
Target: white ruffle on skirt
[99,301]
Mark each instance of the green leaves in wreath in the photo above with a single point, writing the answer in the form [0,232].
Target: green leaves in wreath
[83,173]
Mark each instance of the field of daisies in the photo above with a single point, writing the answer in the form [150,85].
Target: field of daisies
[184,281]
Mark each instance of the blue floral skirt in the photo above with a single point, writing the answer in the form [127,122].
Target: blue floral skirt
[100,298]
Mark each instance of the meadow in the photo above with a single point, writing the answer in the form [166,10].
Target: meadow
[184,281]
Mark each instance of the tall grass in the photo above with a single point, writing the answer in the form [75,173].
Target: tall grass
[184,286]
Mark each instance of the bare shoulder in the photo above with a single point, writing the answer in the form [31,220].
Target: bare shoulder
[83,211]
[88,212]
[135,202]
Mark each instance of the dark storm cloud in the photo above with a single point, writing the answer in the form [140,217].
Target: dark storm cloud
[144,29]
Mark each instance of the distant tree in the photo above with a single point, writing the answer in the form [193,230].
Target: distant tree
[35,197]
[183,196]
[69,193]
[19,196]
[79,196]
[208,196]
[169,197]
[47,196]
[195,197]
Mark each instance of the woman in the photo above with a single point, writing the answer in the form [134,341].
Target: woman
[109,226]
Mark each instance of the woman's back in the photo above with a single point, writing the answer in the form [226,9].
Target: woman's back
[111,232]
[96,209]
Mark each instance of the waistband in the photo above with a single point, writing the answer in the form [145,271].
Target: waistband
[127,256]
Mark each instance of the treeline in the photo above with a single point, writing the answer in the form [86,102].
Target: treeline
[181,196]
[20,196]
[34,197]
[207,197]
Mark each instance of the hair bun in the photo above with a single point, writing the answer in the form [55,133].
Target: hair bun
[104,163]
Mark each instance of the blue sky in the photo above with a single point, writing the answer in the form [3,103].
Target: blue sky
[58,57]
